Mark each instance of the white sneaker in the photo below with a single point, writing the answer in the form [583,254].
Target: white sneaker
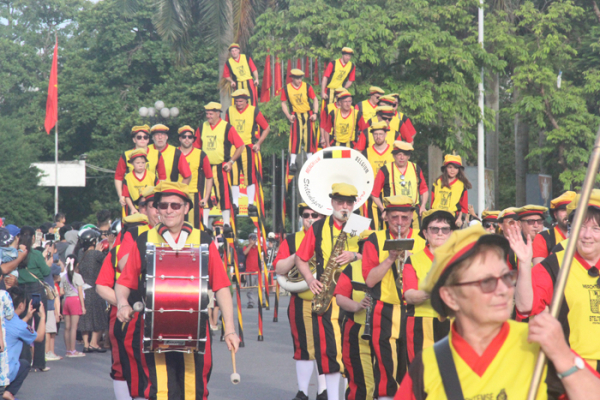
[50,356]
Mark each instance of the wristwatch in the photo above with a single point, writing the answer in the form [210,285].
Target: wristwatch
[355,257]
[579,364]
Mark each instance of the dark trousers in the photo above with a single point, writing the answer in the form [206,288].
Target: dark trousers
[39,356]
[15,385]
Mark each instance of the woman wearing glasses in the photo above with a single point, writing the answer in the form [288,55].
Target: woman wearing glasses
[423,327]
[300,309]
[155,164]
[489,221]
[485,355]
[580,314]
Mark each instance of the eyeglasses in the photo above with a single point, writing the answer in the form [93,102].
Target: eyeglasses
[142,137]
[386,119]
[187,136]
[310,215]
[488,285]
[593,272]
[487,225]
[436,229]
[174,206]
[532,222]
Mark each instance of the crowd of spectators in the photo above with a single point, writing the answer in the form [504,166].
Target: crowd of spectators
[48,276]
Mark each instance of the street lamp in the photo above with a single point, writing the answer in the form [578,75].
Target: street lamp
[158,113]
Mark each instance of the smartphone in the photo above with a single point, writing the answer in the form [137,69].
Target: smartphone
[36,299]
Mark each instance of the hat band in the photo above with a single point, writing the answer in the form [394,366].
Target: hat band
[177,192]
[453,163]
[510,216]
[159,131]
[341,197]
[402,207]
[139,130]
[560,205]
[396,151]
[530,212]
[491,217]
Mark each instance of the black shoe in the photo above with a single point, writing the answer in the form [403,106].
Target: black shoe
[293,168]
[87,350]
[236,210]
[227,231]
[323,395]
[300,396]
[250,306]
[97,350]
[252,210]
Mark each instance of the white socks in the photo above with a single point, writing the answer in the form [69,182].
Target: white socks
[235,192]
[292,159]
[226,217]
[304,371]
[386,398]
[251,190]
[121,390]
[333,386]
[321,385]
[308,155]
[205,213]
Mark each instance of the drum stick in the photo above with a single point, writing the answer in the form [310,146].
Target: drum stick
[235,377]
[138,306]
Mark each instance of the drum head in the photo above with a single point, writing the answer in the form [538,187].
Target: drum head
[334,165]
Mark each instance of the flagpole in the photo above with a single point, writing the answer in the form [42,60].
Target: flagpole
[56,168]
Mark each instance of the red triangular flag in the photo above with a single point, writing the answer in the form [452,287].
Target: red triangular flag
[277,76]
[52,100]
[307,68]
[299,64]
[197,142]
[265,92]
[288,78]
[316,71]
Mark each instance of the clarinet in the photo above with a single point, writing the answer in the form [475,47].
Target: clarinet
[367,333]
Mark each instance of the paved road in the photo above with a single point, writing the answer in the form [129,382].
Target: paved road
[266,368]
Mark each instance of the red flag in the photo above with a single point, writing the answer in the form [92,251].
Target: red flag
[307,68]
[277,76]
[265,92]
[299,64]
[288,78]
[52,101]
[316,71]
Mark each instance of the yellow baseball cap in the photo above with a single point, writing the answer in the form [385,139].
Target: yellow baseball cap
[452,159]
[461,245]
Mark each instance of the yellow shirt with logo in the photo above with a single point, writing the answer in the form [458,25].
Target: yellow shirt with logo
[448,198]
[136,186]
[406,184]
[240,69]
[298,97]
[195,160]
[344,128]
[377,159]
[421,263]
[152,156]
[214,142]
[339,74]
[244,122]
[390,136]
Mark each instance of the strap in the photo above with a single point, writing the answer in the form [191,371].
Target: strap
[447,368]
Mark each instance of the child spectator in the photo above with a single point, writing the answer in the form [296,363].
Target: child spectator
[7,252]
[71,285]
[52,313]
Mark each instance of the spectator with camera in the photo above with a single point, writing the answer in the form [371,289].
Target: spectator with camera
[19,332]
[251,253]
[32,272]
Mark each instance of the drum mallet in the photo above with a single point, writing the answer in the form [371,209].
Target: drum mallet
[235,377]
[138,306]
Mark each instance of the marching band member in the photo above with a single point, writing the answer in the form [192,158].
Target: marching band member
[175,165]
[303,134]
[423,326]
[449,192]
[367,107]
[173,373]
[338,74]
[320,240]
[239,70]
[508,219]
[545,241]
[531,219]
[400,122]
[579,313]
[356,351]
[401,177]
[130,376]
[202,177]
[215,138]
[299,309]
[486,355]
[246,119]
[382,273]
[141,137]
[489,221]
[378,154]
[325,113]
[136,181]
[382,114]
[344,123]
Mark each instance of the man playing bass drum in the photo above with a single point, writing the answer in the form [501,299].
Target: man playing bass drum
[321,239]
[299,310]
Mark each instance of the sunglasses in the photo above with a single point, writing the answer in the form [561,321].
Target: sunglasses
[532,222]
[142,137]
[487,225]
[436,229]
[594,273]
[310,215]
[174,206]
[386,119]
[488,285]
[187,136]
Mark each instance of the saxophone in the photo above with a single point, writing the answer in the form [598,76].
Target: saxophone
[331,273]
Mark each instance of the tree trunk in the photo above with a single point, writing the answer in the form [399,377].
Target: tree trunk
[225,41]
[521,151]
[492,99]
[435,161]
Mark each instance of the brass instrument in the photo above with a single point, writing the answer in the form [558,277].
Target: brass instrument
[329,277]
[293,281]
[403,245]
